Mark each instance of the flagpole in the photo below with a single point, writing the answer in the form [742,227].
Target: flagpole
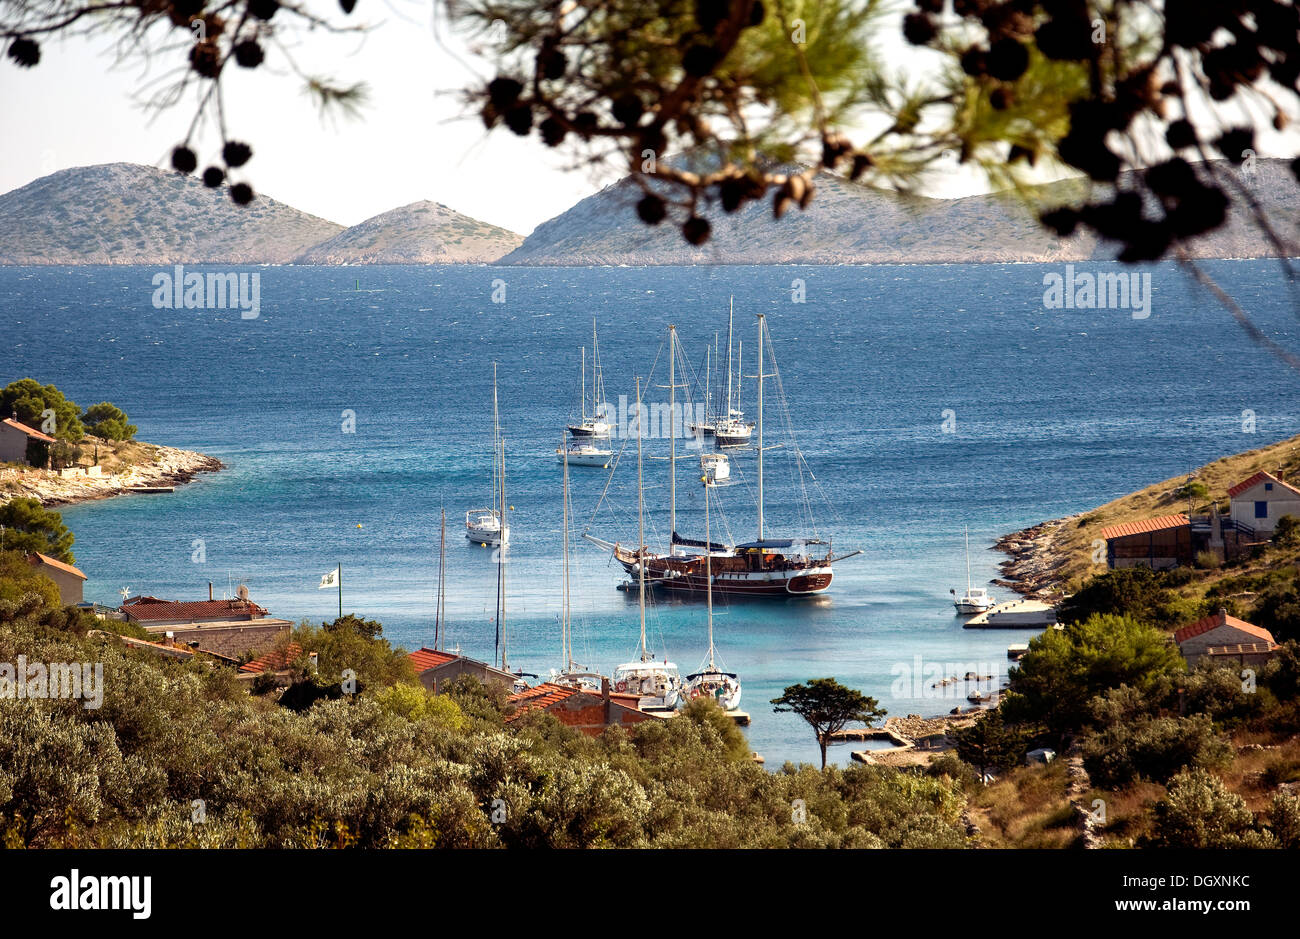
[340,569]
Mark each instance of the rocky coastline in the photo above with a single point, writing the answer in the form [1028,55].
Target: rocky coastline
[164,466]
[1034,561]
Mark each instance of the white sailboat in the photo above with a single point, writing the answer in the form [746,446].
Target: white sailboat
[592,426]
[519,684]
[733,430]
[975,599]
[711,681]
[657,683]
[487,526]
[571,673]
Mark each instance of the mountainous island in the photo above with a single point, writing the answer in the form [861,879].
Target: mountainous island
[123,213]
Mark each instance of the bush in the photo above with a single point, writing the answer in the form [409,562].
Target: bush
[1199,811]
[1136,592]
[1154,749]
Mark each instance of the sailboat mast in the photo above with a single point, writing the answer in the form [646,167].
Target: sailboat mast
[565,641]
[731,315]
[672,433]
[760,426]
[967,560]
[708,567]
[442,583]
[584,383]
[501,562]
[497,468]
[640,518]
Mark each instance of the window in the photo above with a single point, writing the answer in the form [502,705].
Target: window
[1268,487]
[1261,510]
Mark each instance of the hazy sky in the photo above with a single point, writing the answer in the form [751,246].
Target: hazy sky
[414,141]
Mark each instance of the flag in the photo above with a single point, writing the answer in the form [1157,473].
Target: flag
[330,580]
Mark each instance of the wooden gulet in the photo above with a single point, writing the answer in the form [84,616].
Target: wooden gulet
[762,568]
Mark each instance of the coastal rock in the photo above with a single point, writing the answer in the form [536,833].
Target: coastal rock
[167,466]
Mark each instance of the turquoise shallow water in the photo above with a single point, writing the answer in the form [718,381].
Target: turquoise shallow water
[1056,411]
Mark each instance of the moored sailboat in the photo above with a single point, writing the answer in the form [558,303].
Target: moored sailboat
[658,684]
[975,599]
[593,426]
[711,681]
[487,526]
[570,673]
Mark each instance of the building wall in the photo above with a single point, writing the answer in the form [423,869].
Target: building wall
[587,713]
[13,445]
[440,676]
[69,584]
[1158,550]
[1281,501]
[231,639]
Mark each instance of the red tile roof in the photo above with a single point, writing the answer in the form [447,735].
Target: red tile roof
[275,660]
[36,558]
[151,608]
[539,698]
[29,431]
[1260,477]
[1147,524]
[425,659]
[1216,620]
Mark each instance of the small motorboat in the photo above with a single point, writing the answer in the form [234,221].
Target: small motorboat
[715,468]
[584,454]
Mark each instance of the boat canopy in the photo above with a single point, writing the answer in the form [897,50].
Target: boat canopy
[780,543]
[693,543]
[710,672]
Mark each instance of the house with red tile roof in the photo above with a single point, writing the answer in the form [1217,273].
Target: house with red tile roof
[229,627]
[1158,543]
[275,663]
[1259,501]
[22,444]
[587,711]
[67,578]
[1223,637]
[437,669]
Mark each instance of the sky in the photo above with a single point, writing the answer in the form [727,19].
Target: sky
[415,140]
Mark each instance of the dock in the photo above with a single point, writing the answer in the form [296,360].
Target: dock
[151,490]
[1015,614]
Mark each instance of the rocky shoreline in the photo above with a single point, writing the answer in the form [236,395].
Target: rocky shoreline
[1032,568]
[167,466]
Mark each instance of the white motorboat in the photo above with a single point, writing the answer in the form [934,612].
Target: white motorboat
[715,468]
[975,599]
[584,454]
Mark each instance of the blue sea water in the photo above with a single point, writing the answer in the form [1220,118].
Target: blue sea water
[1055,411]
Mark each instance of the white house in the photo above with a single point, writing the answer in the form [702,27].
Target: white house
[1258,502]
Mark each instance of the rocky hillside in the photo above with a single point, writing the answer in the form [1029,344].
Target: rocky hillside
[858,224]
[124,213]
[419,233]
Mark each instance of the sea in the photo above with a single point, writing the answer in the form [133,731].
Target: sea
[904,406]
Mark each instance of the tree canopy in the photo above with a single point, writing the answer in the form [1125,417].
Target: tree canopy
[29,526]
[108,421]
[827,707]
[30,400]
[760,94]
